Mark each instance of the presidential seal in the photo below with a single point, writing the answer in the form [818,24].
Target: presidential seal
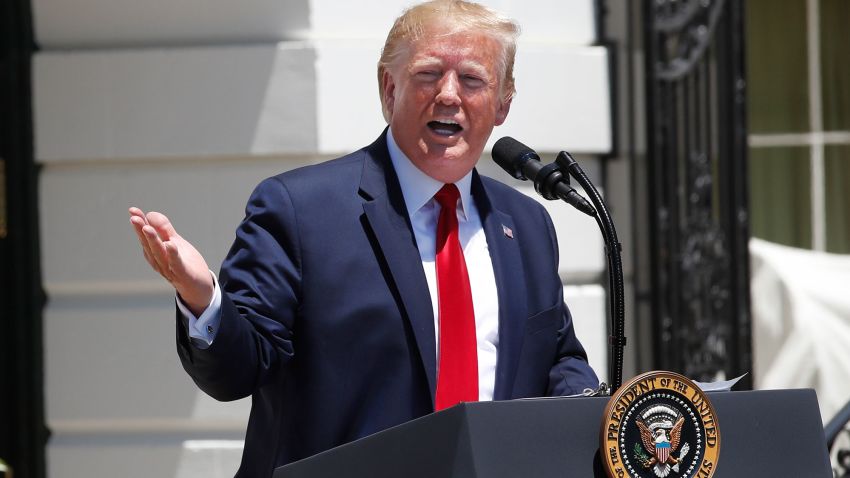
[659,425]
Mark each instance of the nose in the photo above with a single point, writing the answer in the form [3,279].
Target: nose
[449,89]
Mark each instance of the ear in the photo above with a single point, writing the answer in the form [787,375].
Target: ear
[388,92]
[502,112]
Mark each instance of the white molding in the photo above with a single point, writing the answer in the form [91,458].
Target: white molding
[88,288]
[222,101]
[798,139]
[282,99]
[818,175]
[142,426]
[203,445]
[99,24]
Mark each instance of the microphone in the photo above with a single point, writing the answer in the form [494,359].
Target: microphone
[550,181]
[523,163]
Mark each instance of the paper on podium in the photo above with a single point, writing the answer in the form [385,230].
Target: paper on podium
[720,385]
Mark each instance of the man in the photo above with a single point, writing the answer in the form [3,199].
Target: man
[375,288]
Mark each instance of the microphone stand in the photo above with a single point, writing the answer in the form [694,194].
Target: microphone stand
[617,339]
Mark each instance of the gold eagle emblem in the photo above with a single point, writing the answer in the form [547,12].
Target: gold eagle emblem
[661,437]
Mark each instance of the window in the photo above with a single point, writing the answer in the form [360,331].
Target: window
[799,122]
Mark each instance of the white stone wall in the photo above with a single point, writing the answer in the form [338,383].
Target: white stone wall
[183,107]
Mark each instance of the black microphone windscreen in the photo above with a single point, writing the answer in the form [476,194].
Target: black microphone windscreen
[510,154]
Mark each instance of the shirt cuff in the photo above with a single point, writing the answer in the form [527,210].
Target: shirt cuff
[203,329]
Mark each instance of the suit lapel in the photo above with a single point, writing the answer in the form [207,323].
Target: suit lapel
[386,215]
[510,283]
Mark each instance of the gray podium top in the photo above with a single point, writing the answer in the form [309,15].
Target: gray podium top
[764,433]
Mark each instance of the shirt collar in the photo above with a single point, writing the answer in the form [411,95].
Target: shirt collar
[417,187]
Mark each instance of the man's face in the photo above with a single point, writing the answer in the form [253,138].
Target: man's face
[444,98]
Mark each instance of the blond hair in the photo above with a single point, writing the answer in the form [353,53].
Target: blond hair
[461,16]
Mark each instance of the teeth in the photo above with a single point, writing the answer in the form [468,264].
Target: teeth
[445,127]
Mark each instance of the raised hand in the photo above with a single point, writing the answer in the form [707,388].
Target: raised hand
[174,258]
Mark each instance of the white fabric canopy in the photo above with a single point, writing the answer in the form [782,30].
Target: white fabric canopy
[801,321]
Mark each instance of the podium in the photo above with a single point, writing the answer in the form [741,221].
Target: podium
[764,433]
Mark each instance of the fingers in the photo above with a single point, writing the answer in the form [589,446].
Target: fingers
[157,252]
[162,225]
[159,234]
[153,246]
[173,258]
[138,221]
[176,266]
[136,212]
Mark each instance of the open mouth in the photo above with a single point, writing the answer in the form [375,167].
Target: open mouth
[445,127]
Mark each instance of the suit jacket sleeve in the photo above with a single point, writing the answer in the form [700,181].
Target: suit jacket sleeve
[570,374]
[260,281]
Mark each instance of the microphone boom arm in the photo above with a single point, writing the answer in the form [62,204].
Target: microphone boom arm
[613,248]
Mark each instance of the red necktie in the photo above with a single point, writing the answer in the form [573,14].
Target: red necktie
[457,380]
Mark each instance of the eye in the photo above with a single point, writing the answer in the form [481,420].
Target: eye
[473,81]
[427,75]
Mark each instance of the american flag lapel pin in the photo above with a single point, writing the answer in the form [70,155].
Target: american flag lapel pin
[508,232]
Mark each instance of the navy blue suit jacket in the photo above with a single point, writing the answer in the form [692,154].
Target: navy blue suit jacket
[327,320]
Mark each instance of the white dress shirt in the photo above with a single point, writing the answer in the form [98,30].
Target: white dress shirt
[418,190]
